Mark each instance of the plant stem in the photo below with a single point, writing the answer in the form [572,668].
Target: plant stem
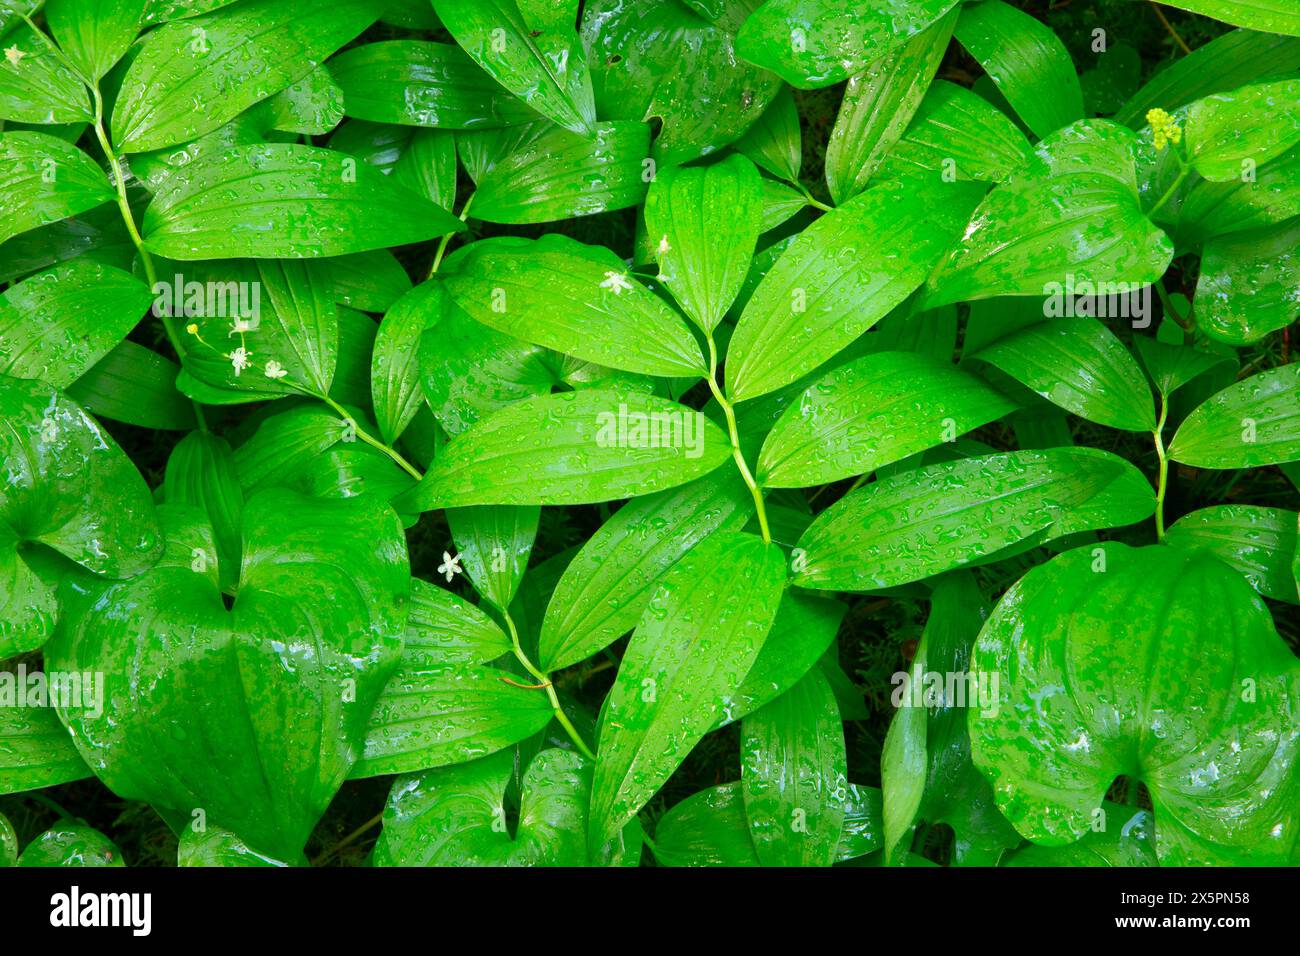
[546,683]
[371,440]
[1183,173]
[442,243]
[813,200]
[1170,28]
[1162,485]
[1167,304]
[729,410]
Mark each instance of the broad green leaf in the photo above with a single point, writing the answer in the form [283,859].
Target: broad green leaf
[1026,61]
[704,223]
[282,441]
[793,775]
[95,33]
[819,43]
[556,174]
[8,843]
[1081,366]
[313,106]
[134,385]
[660,61]
[371,281]
[841,276]
[30,196]
[1171,366]
[573,448]
[1127,838]
[163,11]
[55,325]
[1227,131]
[697,638]
[957,134]
[919,523]
[1269,195]
[1071,218]
[395,366]
[573,298]
[418,83]
[445,629]
[1258,542]
[872,412]
[201,472]
[288,680]
[1189,691]
[781,202]
[775,142]
[494,542]
[1252,423]
[71,844]
[878,105]
[1271,16]
[1225,63]
[36,86]
[926,769]
[97,234]
[70,488]
[531,48]
[422,160]
[457,817]
[285,201]
[607,585]
[36,750]
[1249,283]
[195,76]
[217,847]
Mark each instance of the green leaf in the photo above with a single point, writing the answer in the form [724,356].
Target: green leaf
[285,201]
[1171,366]
[659,61]
[97,234]
[919,523]
[313,106]
[707,223]
[1249,283]
[1258,542]
[1253,124]
[1071,218]
[57,324]
[8,843]
[71,844]
[1270,195]
[1271,16]
[1127,839]
[1026,61]
[30,196]
[194,76]
[201,472]
[697,638]
[495,542]
[421,160]
[1081,366]
[843,274]
[609,582]
[1251,423]
[288,680]
[69,487]
[217,847]
[36,86]
[134,385]
[531,48]
[793,769]
[457,817]
[371,281]
[1189,691]
[819,43]
[871,412]
[36,750]
[573,448]
[878,105]
[395,367]
[445,629]
[774,142]
[576,299]
[554,174]
[418,83]
[95,33]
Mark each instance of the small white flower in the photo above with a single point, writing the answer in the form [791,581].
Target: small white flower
[274,370]
[239,358]
[616,282]
[450,566]
[664,246]
[240,326]
[13,55]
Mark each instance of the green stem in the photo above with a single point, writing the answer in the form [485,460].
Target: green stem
[813,200]
[1162,485]
[372,441]
[729,411]
[1167,304]
[1182,176]
[442,243]
[545,682]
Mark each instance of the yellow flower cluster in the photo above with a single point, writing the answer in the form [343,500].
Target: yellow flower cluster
[1165,129]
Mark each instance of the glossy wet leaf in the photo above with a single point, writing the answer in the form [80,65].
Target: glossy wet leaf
[36,86]
[872,412]
[444,628]
[201,473]
[30,196]
[775,142]
[395,366]
[494,542]
[696,640]
[704,225]
[1171,366]
[217,847]
[194,76]
[71,844]
[919,523]
[841,276]
[1270,195]
[573,448]
[36,750]
[1272,16]
[8,843]
[1126,838]
[1191,691]
[1253,124]
[95,33]
[1258,542]
[1249,283]
[1251,423]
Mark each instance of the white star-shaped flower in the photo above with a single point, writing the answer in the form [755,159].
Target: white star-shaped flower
[239,358]
[664,245]
[450,566]
[240,326]
[275,370]
[616,282]
[13,55]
